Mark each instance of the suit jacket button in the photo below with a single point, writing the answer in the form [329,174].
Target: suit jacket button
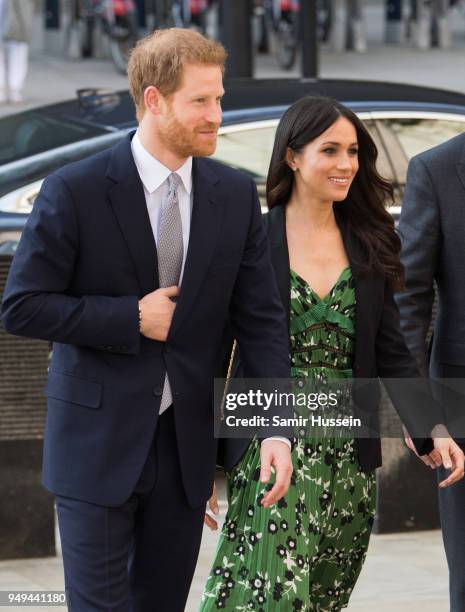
[158,391]
[168,348]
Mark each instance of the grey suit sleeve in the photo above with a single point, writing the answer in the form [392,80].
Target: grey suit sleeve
[420,232]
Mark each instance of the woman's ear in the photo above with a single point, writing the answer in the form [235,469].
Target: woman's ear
[290,159]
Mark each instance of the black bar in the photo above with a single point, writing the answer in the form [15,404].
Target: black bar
[142,13]
[309,37]
[52,15]
[393,10]
[236,36]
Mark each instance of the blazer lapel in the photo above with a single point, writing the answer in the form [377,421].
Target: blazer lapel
[276,223]
[363,299]
[207,214]
[130,208]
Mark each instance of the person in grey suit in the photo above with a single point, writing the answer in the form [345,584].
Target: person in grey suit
[432,229]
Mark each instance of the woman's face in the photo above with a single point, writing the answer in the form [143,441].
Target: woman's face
[327,165]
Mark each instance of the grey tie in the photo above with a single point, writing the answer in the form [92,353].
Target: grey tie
[170,251]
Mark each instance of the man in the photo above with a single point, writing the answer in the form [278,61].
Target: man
[131,262]
[432,228]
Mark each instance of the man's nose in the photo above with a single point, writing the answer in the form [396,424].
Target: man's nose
[214,113]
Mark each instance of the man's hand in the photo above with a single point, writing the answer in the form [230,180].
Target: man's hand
[449,453]
[277,454]
[445,452]
[213,503]
[157,309]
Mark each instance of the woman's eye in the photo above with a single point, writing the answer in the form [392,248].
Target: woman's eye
[329,150]
[353,151]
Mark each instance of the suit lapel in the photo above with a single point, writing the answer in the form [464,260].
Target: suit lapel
[207,215]
[130,208]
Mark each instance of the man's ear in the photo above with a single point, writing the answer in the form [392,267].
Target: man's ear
[153,100]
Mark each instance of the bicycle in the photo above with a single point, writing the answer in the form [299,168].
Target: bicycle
[177,13]
[283,19]
[118,20]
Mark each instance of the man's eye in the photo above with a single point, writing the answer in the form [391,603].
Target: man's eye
[200,100]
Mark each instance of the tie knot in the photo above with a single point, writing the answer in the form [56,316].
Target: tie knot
[174,181]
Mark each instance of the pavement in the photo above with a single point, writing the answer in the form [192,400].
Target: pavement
[403,572]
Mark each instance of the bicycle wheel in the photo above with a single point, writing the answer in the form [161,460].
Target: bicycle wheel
[123,37]
[286,41]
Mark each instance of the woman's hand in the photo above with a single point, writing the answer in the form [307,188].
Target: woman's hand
[427,459]
[213,504]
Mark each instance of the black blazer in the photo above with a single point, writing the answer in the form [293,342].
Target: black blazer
[380,349]
[86,256]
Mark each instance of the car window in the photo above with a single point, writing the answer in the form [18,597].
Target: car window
[418,135]
[31,132]
[248,150]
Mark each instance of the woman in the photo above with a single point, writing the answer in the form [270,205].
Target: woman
[336,257]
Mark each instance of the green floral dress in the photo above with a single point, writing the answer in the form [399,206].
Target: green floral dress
[306,552]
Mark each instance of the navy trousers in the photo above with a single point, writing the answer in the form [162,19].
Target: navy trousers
[452,511]
[141,556]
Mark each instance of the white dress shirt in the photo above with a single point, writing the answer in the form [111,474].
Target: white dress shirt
[153,175]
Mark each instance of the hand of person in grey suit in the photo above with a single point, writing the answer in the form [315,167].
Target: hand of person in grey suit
[156,313]
[445,452]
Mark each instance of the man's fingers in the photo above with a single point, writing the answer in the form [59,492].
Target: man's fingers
[436,457]
[213,501]
[428,461]
[445,457]
[458,464]
[210,522]
[456,475]
[169,291]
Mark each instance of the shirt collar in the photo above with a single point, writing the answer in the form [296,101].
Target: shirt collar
[152,172]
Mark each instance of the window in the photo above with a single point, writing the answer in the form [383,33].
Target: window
[418,135]
[248,150]
[34,132]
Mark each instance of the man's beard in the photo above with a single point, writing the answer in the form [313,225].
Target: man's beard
[184,142]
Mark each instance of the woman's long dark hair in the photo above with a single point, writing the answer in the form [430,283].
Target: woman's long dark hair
[364,210]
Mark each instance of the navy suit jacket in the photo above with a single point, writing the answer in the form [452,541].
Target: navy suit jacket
[86,256]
